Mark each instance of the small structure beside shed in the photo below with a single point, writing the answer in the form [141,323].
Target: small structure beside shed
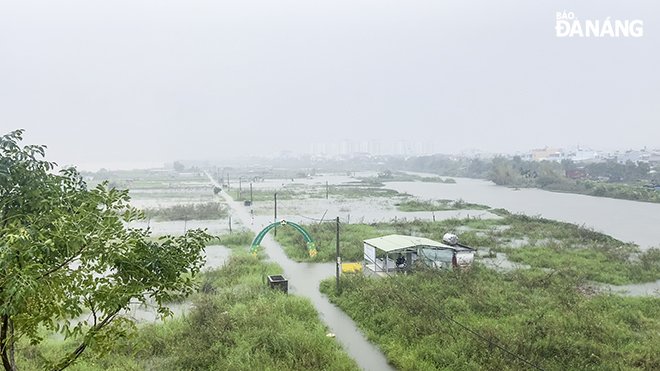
[396,253]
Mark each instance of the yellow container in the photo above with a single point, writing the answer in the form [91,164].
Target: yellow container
[351,267]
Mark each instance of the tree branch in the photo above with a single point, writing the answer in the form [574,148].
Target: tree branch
[61,265]
[69,359]
[6,344]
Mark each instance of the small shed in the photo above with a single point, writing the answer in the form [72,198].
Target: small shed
[397,252]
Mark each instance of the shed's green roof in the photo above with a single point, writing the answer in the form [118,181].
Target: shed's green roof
[395,242]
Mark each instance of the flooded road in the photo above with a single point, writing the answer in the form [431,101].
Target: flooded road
[304,279]
[629,221]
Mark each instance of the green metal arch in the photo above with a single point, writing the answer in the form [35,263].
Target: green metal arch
[311,247]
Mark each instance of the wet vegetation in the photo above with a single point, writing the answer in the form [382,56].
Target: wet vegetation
[261,195]
[609,178]
[399,176]
[238,239]
[203,211]
[362,192]
[438,205]
[552,320]
[236,323]
[538,242]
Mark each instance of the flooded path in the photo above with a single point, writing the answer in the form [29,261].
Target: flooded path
[304,279]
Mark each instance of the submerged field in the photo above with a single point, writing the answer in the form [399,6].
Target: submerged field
[172,201]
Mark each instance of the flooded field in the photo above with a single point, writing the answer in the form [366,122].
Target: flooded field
[321,198]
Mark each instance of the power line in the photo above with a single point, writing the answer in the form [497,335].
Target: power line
[315,219]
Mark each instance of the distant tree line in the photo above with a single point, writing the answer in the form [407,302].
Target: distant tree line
[629,180]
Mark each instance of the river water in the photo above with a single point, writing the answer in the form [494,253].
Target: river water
[629,221]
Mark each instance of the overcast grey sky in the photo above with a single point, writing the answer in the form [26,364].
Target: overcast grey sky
[137,80]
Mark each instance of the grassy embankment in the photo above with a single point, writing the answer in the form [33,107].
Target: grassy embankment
[236,323]
[438,205]
[542,243]
[626,191]
[550,319]
[399,176]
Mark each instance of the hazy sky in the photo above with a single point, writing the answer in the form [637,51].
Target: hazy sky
[117,81]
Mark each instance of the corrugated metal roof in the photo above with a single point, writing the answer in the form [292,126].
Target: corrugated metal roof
[395,242]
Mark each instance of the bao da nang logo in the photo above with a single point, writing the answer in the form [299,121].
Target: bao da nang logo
[568,25]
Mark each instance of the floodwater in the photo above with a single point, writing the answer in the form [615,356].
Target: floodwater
[304,279]
[215,255]
[350,210]
[638,289]
[500,262]
[629,221]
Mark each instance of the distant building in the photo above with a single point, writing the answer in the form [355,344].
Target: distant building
[584,155]
[549,154]
[634,156]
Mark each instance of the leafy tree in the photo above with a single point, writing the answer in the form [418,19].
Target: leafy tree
[179,167]
[68,263]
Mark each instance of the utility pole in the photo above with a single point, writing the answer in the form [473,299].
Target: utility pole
[326,189]
[229,224]
[337,257]
[275,219]
[240,187]
[251,193]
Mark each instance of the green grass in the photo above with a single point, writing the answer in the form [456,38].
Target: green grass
[239,239]
[353,192]
[237,323]
[544,317]
[324,235]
